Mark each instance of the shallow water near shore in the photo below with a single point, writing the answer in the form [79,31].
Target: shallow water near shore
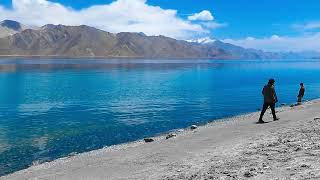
[51,108]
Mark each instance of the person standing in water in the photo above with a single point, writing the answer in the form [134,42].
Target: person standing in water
[270,100]
[301,93]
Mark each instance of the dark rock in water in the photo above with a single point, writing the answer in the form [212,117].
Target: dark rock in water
[292,105]
[148,140]
[283,104]
[172,135]
[193,127]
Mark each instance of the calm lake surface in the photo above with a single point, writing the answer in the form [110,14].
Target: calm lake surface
[51,108]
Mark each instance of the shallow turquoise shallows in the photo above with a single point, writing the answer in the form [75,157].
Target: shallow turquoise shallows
[51,108]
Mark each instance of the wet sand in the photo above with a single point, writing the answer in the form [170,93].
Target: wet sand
[233,148]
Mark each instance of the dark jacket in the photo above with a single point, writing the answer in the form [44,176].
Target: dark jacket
[301,92]
[269,94]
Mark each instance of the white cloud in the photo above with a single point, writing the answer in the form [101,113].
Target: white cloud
[307,26]
[213,25]
[204,15]
[277,43]
[204,40]
[118,16]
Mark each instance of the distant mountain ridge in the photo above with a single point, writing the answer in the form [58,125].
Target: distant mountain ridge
[86,41]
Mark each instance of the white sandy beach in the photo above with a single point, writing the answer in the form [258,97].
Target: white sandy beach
[237,148]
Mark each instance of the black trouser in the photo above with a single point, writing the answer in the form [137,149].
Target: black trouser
[265,107]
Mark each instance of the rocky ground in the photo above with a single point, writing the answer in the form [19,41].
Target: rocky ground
[293,153]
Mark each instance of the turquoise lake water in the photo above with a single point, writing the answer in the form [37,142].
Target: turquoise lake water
[51,108]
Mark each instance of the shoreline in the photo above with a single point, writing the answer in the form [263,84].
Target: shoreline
[80,165]
[109,57]
[57,57]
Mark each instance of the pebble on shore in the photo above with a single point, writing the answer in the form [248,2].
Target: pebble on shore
[148,140]
[193,127]
[172,135]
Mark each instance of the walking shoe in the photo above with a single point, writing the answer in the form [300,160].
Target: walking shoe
[276,119]
[261,122]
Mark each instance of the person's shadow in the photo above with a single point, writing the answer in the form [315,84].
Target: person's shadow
[261,123]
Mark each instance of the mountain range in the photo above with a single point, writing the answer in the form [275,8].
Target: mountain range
[84,41]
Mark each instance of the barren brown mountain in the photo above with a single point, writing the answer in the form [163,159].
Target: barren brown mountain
[85,41]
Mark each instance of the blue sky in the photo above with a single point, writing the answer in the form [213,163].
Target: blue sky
[257,18]
[243,22]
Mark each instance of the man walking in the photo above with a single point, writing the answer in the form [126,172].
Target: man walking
[270,100]
[301,93]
